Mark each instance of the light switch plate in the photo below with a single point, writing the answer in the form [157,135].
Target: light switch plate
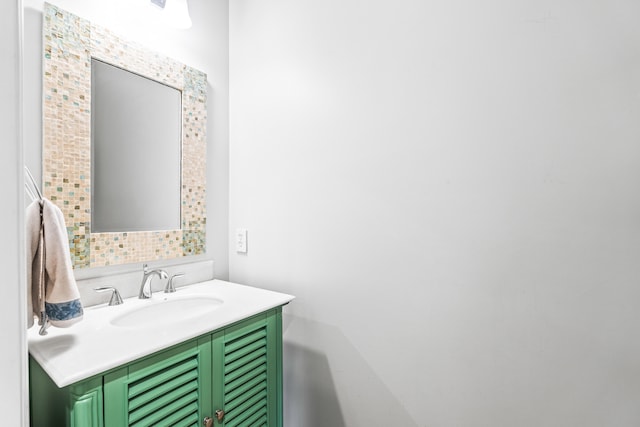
[241,240]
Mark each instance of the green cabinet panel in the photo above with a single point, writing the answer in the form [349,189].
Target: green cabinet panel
[246,374]
[170,388]
[86,408]
[77,405]
[237,370]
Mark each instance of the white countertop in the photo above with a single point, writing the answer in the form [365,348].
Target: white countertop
[95,345]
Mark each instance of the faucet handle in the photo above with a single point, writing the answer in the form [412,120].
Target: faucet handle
[170,288]
[116,299]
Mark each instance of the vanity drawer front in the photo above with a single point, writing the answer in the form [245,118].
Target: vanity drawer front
[170,388]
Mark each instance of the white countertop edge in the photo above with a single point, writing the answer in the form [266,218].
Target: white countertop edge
[59,368]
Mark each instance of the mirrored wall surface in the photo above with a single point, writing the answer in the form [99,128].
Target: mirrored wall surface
[72,46]
[135,152]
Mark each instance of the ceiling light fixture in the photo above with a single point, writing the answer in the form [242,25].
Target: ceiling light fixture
[175,13]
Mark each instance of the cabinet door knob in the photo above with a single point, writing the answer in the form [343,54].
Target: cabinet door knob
[219,414]
[207,422]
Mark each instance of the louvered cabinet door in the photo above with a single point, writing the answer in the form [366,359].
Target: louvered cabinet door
[171,388]
[247,379]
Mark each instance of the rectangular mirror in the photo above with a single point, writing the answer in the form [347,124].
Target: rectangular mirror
[101,187]
[135,151]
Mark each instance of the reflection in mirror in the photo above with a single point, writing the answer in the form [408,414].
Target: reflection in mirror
[136,126]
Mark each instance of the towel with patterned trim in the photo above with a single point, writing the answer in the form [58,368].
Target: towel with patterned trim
[52,286]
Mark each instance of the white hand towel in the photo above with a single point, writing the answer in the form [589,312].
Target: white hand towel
[35,263]
[48,247]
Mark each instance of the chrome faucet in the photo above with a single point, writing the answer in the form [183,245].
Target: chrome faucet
[146,280]
[116,299]
[171,287]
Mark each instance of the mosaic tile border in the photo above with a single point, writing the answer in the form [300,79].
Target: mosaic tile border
[69,44]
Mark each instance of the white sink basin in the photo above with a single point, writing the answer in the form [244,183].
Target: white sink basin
[109,337]
[168,312]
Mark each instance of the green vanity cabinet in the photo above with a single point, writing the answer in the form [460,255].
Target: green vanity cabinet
[232,375]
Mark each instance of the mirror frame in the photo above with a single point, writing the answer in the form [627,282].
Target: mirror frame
[69,44]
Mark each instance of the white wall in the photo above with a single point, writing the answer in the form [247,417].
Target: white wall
[451,190]
[13,369]
[204,46]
